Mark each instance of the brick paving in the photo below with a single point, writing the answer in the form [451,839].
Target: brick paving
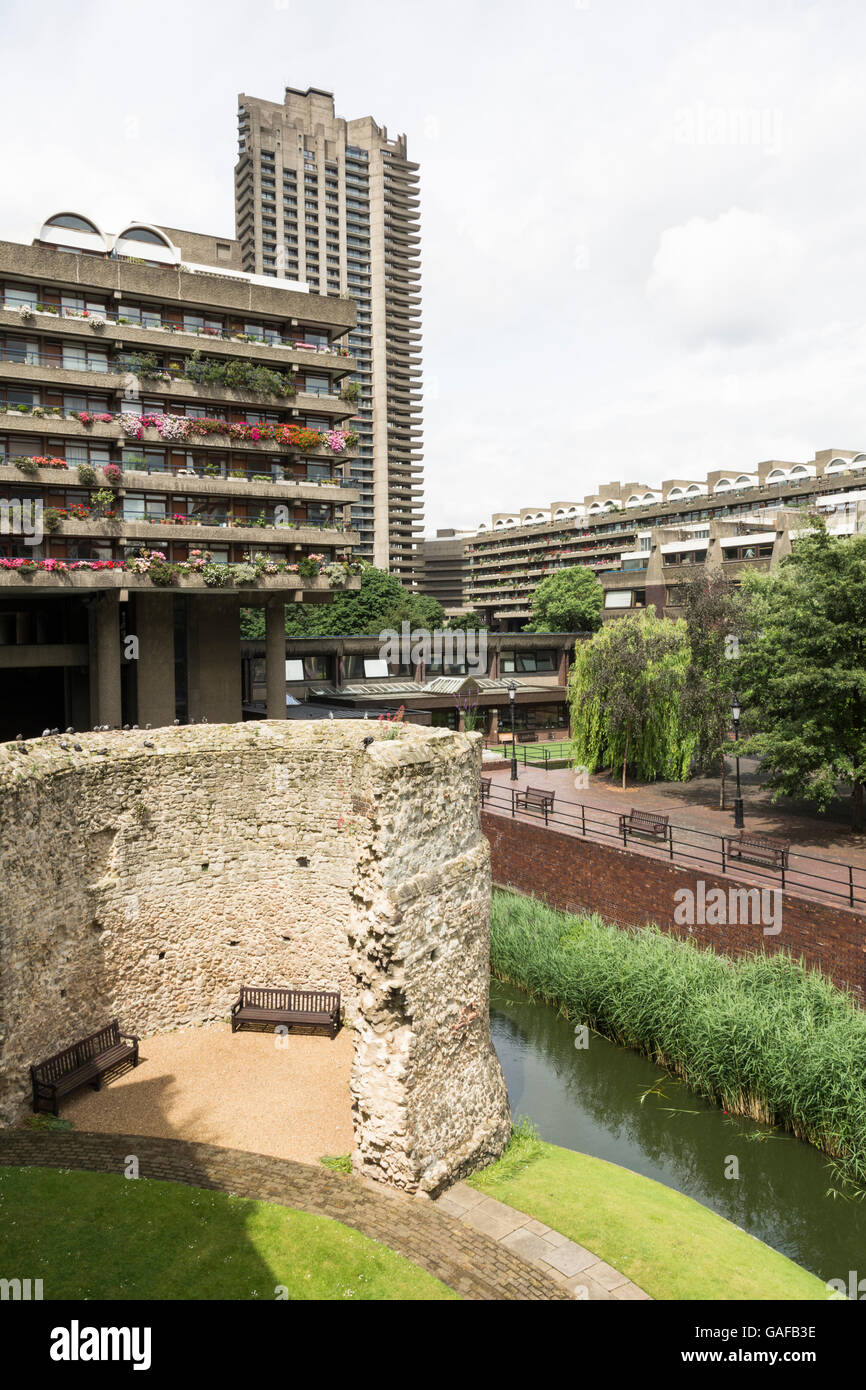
[464,1256]
[577,1270]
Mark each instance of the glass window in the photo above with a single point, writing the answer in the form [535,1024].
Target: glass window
[16,295]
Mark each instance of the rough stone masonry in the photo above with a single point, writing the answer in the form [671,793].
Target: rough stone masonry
[149,882]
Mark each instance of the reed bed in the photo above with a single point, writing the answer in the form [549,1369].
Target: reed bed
[761,1036]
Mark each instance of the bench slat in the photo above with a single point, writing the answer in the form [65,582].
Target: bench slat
[267,1004]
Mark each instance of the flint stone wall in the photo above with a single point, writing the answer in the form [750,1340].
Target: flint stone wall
[149,883]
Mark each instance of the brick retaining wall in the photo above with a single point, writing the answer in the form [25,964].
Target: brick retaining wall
[631,889]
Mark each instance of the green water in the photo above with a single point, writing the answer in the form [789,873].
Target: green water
[590,1100]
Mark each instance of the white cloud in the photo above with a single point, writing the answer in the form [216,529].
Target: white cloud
[732,280]
[643,226]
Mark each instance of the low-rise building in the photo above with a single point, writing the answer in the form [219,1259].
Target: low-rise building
[352,676]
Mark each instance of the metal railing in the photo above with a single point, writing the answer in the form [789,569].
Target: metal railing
[154,325]
[809,874]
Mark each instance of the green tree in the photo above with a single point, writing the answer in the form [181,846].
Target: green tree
[380,603]
[467,622]
[625,694]
[570,600]
[803,670]
[713,618]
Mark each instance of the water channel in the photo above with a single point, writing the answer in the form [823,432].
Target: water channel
[590,1100]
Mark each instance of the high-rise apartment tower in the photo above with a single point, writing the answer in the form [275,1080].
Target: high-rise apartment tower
[334,203]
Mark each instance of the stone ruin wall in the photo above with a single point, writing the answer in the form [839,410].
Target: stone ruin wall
[149,883]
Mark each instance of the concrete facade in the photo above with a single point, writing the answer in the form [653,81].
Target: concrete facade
[640,540]
[108,359]
[335,203]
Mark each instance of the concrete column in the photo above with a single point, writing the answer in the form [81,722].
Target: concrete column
[275,657]
[154,628]
[106,706]
[215,658]
[494,723]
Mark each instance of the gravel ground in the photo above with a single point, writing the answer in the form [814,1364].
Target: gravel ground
[240,1091]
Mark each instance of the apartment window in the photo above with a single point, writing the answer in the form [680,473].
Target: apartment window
[618,598]
[80,304]
[83,359]
[16,295]
[144,317]
[317,385]
[21,350]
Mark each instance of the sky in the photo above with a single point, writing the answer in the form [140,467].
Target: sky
[643,225]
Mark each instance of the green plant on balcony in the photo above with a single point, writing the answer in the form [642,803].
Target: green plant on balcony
[212,470]
[262,478]
[237,473]
[51,519]
[307,568]
[29,467]
[217,576]
[86,475]
[161,573]
[245,573]
[103,505]
[350,392]
[146,365]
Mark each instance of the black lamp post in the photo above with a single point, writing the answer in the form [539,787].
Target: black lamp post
[738,801]
[512,692]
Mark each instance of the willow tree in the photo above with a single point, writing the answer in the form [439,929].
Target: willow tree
[625,696]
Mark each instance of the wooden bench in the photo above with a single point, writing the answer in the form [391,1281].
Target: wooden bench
[763,849]
[83,1062]
[262,1004]
[535,797]
[485,789]
[649,823]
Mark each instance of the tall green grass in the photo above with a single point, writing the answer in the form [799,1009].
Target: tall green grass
[761,1036]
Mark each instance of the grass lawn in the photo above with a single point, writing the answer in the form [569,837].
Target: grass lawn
[95,1235]
[670,1245]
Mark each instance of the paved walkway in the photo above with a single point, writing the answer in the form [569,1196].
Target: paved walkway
[693,810]
[243,1090]
[460,1253]
[580,1272]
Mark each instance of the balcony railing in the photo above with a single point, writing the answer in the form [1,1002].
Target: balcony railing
[97,318]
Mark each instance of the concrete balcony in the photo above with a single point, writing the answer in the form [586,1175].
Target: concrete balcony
[49,374]
[179,388]
[42,583]
[66,427]
[201,536]
[139,480]
[116,336]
